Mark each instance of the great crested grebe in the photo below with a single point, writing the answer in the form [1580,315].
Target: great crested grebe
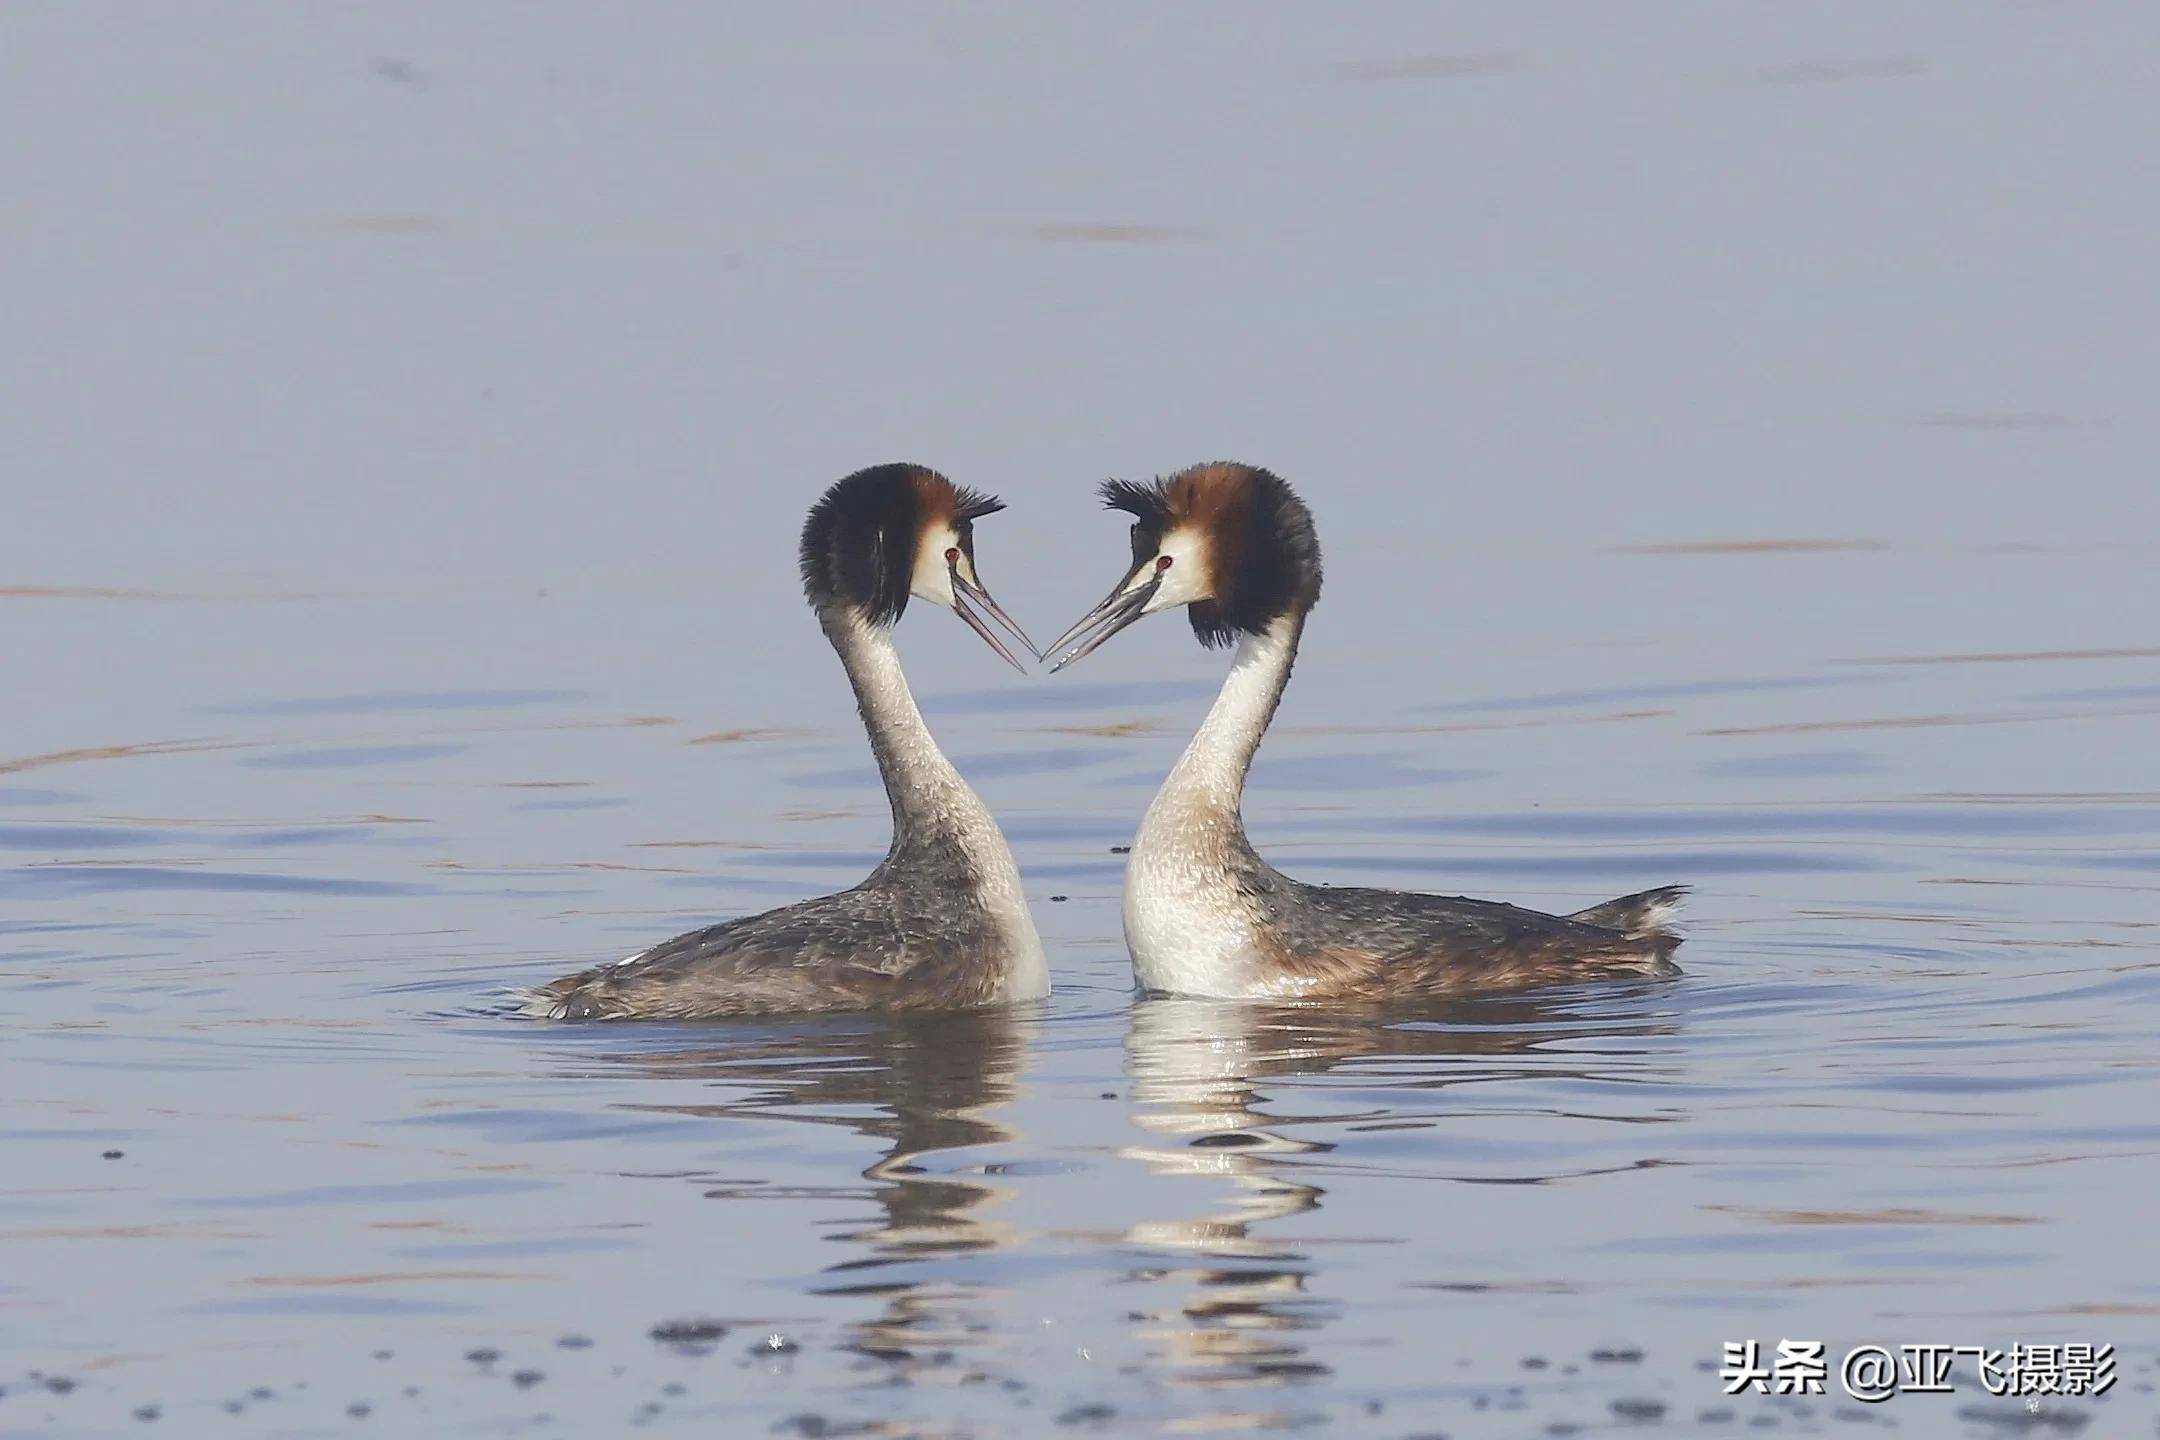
[941,924]
[1204,914]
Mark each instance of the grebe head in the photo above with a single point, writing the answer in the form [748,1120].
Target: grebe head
[894,531]
[1231,543]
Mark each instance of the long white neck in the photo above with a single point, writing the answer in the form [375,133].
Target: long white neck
[1187,924]
[933,809]
[1210,775]
[930,802]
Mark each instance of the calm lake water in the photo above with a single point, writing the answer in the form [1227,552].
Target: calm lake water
[1730,433]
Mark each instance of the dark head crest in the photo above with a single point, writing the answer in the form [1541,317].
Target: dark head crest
[1259,543]
[1148,502]
[971,505]
[1267,562]
[860,542]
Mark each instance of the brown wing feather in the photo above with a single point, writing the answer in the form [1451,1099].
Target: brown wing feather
[1360,944]
[871,948]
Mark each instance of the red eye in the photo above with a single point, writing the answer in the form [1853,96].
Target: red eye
[952,557]
[1162,562]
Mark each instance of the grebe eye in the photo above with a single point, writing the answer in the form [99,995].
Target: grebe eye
[1162,562]
[952,555]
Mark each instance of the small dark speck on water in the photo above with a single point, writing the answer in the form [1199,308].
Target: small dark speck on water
[1535,1362]
[1088,1415]
[59,1384]
[688,1332]
[1618,1356]
[483,1356]
[1108,1095]
[147,1412]
[674,1389]
[114,1154]
[526,1379]
[1234,1140]
[261,1392]
[384,1354]
[574,1342]
[1057,899]
[1121,849]
[1641,1411]
[359,1410]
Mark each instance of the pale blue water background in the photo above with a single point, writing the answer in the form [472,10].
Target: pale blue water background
[408,416]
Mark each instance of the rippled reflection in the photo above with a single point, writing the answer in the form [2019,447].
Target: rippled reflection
[1220,1085]
[927,1086]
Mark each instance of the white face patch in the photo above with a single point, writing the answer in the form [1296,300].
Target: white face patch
[1189,576]
[932,579]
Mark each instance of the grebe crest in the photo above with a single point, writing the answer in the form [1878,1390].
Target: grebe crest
[882,535]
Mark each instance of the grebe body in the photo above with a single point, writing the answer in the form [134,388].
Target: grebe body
[942,922]
[1204,914]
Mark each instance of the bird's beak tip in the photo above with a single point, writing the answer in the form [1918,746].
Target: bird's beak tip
[965,590]
[1120,608]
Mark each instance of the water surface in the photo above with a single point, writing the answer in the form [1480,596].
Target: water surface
[1729,434]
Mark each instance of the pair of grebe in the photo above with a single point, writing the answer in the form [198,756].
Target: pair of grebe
[942,922]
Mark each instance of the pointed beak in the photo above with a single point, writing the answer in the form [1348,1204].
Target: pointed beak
[965,590]
[1120,608]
